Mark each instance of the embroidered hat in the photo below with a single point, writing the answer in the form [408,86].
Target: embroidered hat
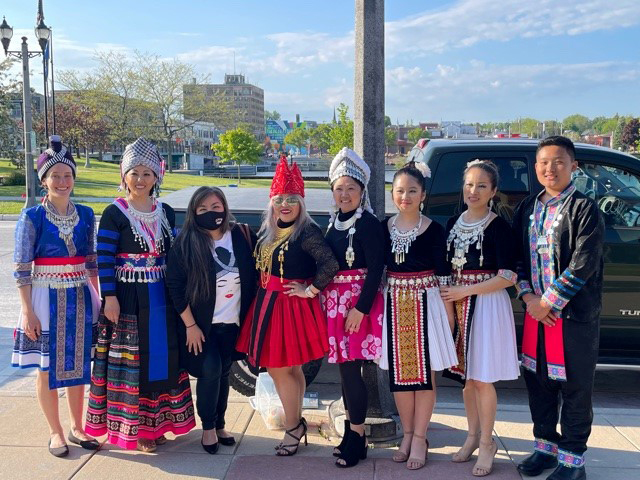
[287,180]
[142,152]
[347,162]
[56,153]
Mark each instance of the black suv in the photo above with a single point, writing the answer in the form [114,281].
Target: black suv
[609,177]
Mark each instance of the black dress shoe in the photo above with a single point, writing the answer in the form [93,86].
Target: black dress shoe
[212,449]
[535,463]
[59,452]
[227,441]
[86,444]
[562,472]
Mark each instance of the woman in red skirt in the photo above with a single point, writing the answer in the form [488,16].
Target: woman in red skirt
[285,326]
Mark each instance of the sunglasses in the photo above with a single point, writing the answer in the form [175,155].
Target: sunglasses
[279,201]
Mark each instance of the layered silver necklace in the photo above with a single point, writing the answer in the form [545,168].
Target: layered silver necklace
[149,228]
[462,236]
[64,223]
[350,227]
[401,241]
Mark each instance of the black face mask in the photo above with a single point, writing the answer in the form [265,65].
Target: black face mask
[211,220]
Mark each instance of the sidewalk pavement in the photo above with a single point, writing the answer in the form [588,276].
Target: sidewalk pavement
[614,447]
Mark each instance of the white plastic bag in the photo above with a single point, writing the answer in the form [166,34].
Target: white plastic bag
[267,403]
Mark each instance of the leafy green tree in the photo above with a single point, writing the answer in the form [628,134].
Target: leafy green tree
[617,134]
[341,134]
[416,134]
[390,137]
[319,137]
[387,121]
[240,146]
[298,137]
[604,124]
[577,123]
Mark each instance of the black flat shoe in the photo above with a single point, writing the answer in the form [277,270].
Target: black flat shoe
[58,451]
[536,463]
[86,444]
[227,441]
[211,449]
[563,472]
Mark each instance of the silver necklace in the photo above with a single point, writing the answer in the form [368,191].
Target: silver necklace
[349,226]
[149,228]
[401,241]
[545,238]
[464,234]
[64,223]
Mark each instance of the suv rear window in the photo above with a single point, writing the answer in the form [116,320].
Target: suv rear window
[445,198]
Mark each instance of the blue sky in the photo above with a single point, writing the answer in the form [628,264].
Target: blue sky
[469,60]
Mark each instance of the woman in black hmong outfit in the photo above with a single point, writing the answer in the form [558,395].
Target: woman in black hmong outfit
[480,251]
[418,323]
[137,392]
[285,326]
[353,300]
[211,278]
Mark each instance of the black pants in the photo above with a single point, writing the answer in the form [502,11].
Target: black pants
[212,388]
[570,401]
[354,391]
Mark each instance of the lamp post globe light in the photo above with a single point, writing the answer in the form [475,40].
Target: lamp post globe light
[42,33]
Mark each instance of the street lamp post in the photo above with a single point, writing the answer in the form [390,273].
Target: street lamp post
[42,32]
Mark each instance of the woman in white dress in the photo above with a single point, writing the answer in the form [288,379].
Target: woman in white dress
[480,252]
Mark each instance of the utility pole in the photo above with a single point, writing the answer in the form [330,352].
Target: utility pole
[28,127]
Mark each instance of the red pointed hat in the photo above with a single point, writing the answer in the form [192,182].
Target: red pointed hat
[287,180]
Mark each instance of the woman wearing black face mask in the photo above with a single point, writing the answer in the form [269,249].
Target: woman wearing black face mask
[212,279]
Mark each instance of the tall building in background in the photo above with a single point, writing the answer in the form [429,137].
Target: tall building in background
[246,100]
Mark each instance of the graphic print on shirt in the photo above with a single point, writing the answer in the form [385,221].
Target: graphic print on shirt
[227,275]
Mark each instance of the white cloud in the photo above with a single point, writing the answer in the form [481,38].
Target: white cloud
[469,22]
[480,90]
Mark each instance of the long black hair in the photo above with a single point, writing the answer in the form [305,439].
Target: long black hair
[195,244]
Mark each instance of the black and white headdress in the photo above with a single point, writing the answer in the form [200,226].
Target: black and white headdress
[57,153]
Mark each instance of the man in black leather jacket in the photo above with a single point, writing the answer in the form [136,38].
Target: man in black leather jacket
[560,235]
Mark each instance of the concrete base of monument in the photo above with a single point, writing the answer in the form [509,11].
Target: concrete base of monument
[381,431]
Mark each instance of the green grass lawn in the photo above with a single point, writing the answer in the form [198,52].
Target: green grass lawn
[102,180]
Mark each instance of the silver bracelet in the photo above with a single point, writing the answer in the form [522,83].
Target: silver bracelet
[308,292]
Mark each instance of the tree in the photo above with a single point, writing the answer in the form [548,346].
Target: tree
[416,134]
[240,146]
[577,123]
[298,137]
[80,126]
[631,133]
[273,115]
[319,137]
[9,129]
[390,137]
[603,125]
[113,90]
[617,134]
[387,121]
[161,82]
[341,135]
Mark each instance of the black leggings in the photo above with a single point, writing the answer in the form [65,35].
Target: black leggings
[354,391]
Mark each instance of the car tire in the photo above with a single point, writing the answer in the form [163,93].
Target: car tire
[242,377]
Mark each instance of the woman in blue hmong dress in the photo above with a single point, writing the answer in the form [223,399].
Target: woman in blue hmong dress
[56,272]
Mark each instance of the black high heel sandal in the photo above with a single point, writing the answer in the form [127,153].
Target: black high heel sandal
[291,449]
[337,451]
[354,451]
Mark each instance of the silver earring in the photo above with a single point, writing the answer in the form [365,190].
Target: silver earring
[421,206]
[491,204]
